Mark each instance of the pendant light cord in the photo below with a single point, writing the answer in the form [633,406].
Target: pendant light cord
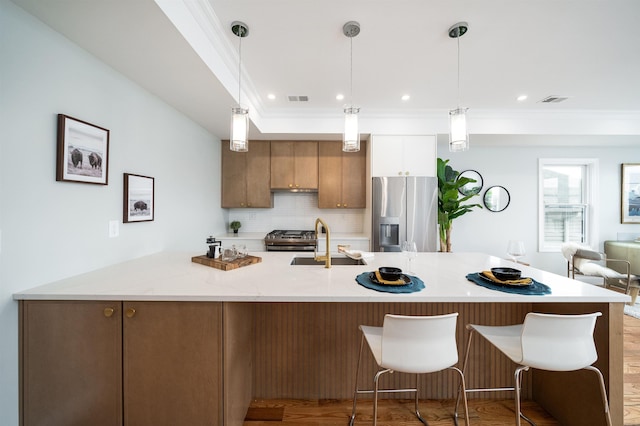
[240,65]
[351,70]
[458,38]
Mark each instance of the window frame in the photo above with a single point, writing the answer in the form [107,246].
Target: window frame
[590,193]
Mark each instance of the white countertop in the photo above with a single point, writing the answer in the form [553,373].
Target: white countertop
[172,276]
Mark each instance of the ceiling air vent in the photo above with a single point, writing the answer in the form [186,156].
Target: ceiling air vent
[298,98]
[554,99]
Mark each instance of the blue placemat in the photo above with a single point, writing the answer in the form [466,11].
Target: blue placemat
[416,284]
[535,289]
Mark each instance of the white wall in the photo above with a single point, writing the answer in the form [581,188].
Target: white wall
[516,168]
[50,230]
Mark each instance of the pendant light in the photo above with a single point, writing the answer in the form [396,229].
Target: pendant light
[458,134]
[239,140]
[351,136]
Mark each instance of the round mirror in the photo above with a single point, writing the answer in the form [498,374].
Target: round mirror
[496,198]
[471,188]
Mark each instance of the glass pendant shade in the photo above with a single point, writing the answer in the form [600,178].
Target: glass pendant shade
[351,136]
[458,135]
[239,141]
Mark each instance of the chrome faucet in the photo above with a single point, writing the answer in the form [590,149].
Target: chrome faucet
[327,256]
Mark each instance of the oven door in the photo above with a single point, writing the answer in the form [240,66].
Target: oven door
[271,246]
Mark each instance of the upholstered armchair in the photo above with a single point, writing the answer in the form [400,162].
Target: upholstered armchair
[615,273]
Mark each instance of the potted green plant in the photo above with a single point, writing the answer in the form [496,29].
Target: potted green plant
[450,201]
[235,225]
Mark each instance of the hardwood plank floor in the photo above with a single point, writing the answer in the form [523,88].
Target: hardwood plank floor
[482,412]
[631,330]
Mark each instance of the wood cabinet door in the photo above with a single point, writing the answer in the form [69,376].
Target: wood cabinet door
[234,182]
[330,175]
[71,370]
[354,178]
[306,165]
[246,176]
[172,363]
[294,165]
[282,165]
[258,175]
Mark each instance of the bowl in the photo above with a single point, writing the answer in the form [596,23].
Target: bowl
[506,273]
[390,273]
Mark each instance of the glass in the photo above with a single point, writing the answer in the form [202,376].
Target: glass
[241,251]
[410,250]
[515,250]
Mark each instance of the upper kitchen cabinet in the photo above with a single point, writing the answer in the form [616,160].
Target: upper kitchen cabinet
[294,165]
[342,176]
[403,155]
[246,176]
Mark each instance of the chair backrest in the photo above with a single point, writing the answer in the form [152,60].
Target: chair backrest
[559,342]
[419,344]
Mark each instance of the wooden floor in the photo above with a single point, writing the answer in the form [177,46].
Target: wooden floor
[399,412]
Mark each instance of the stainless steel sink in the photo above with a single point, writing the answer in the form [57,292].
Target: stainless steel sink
[340,260]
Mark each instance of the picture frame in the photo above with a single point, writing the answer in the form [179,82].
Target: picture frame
[139,202]
[630,193]
[82,152]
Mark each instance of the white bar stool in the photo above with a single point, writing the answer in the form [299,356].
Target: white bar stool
[546,342]
[411,344]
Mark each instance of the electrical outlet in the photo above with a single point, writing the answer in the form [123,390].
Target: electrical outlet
[113,229]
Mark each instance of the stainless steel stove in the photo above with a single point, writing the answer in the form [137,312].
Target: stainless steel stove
[280,240]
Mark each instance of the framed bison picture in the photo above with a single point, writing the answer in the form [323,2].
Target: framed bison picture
[83,152]
[138,198]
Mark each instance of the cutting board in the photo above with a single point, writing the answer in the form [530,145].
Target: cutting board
[226,265]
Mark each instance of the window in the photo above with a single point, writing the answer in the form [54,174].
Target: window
[567,202]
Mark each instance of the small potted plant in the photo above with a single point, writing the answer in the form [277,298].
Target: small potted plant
[235,225]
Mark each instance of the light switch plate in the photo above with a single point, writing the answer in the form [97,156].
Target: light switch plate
[114,231]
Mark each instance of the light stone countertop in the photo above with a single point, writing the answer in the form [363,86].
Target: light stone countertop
[172,276]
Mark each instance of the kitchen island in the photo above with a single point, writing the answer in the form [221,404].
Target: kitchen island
[274,330]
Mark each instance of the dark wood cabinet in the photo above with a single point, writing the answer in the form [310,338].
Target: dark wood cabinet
[121,363]
[294,165]
[342,176]
[246,176]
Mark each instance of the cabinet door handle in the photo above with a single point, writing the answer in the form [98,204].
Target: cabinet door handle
[248,204]
[344,206]
[297,186]
[338,205]
[130,312]
[400,173]
[108,312]
[241,204]
[406,173]
[290,185]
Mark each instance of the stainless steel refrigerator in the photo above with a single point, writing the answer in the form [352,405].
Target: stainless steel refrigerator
[405,209]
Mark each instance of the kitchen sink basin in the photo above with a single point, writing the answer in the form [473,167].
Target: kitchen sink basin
[338,261]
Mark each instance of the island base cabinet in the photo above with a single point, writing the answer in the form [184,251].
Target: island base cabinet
[71,369]
[115,363]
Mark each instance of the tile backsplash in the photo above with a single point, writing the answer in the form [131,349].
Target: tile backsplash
[297,211]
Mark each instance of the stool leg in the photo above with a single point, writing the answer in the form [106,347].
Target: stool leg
[464,368]
[464,399]
[418,415]
[375,395]
[355,392]
[603,392]
[517,387]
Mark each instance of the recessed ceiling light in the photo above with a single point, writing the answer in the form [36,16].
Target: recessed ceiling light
[339,96]
[522,98]
[406,97]
[271,96]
